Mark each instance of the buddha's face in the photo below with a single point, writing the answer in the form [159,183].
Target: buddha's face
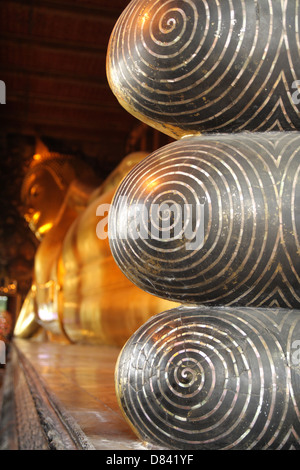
[43,200]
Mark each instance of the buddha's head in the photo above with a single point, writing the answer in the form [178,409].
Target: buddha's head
[45,186]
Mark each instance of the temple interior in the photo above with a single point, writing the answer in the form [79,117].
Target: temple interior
[150,225]
[58,101]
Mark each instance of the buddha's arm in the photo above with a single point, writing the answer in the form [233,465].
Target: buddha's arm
[26,325]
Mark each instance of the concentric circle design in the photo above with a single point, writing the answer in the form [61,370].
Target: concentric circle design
[186,66]
[217,378]
[213,221]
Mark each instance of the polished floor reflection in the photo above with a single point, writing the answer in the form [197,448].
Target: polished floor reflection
[81,378]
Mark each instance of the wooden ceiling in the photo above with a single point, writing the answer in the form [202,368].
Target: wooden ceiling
[53,62]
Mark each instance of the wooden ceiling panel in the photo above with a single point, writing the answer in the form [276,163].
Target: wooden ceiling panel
[14,18]
[59,90]
[43,24]
[53,61]
[72,28]
[41,117]
[49,61]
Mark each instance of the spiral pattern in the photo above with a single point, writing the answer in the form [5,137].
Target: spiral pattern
[213,221]
[217,378]
[186,66]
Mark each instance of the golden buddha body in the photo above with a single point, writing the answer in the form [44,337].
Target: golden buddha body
[79,294]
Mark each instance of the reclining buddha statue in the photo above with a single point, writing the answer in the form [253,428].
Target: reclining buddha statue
[210,221]
[222,370]
[78,293]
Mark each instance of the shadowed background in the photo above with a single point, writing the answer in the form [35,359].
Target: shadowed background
[52,60]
